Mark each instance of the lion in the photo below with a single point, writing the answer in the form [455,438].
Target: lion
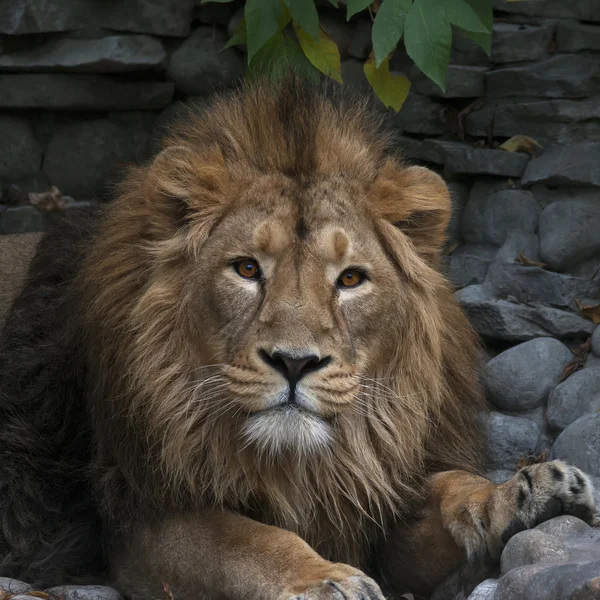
[246,377]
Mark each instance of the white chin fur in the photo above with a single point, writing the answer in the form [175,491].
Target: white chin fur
[272,432]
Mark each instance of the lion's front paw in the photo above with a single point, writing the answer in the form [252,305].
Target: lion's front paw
[343,583]
[542,491]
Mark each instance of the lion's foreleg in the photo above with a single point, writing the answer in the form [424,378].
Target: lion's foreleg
[468,520]
[222,555]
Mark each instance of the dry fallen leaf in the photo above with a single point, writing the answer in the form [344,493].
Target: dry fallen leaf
[521,143]
[578,362]
[167,588]
[589,311]
[522,259]
[532,459]
[51,201]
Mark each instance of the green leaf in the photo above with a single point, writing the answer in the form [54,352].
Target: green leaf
[461,14]
[304,13]
[484,10]
[239,37]
[391,89]
[279,56]
[355,6]
[322,53]
[428,37]
[262,23]
[388,27]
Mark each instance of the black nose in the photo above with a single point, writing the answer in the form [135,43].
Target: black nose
[294,368]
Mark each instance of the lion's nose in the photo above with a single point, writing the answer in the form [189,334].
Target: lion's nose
[292,367]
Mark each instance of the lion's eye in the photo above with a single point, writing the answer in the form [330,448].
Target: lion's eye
[247,268]
[351,278]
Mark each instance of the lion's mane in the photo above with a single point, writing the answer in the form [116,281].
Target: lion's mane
[147,445]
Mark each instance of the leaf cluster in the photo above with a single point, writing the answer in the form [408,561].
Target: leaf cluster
[284,34]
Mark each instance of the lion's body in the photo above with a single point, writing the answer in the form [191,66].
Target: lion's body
[111,403]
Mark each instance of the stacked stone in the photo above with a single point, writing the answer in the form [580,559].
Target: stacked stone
[82,84]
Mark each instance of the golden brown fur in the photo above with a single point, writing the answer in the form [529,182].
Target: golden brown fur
[148,320]
[214,466]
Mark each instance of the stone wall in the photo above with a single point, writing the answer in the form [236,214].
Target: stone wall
[87,87]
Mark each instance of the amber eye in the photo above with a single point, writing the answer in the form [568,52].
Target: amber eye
[247,268]
[351,278]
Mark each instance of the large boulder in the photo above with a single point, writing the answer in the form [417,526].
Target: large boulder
[491,219]
[57,91]
[512,321]
[509,439]
[516,42]
[110,54]
[200,65]
[524,376]
[579,394]
[562,76]
[576,164]
[568,232]
[579,444]
[533,284]
[20,153]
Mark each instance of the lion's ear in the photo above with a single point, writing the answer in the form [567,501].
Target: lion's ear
[417,201]
[188,186]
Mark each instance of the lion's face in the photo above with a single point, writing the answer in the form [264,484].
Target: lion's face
[299,295]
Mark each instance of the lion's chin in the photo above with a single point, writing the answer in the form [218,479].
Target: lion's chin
[285,429]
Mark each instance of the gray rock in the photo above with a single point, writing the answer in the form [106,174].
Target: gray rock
[213,13]
[576,164]
[517,243]
[545,195]
[20,153]
[84,592]
[361,43]
[584,10]
[513,322]
[484,187]
[200,65]
[461,82]
[111,54]
[523,376]
[546,121]
[40,16]
[490,220]
[574,397]
[562,76]
[500,475]
[418,115]
[463,159]
[468,264]
[354,76]
[579,444]
[486,590]
[573,36]
[459,193]
[550,581]
[588,269]
[508,439]
[596,341]
[14,586]
[168,17]
[17,192]
[533,284]
[531,547]
[81,92]
[237,17]
[83,159]
[339,31]
[515,42]
[592,362]
[466,52]
[565,527]
[568,232]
